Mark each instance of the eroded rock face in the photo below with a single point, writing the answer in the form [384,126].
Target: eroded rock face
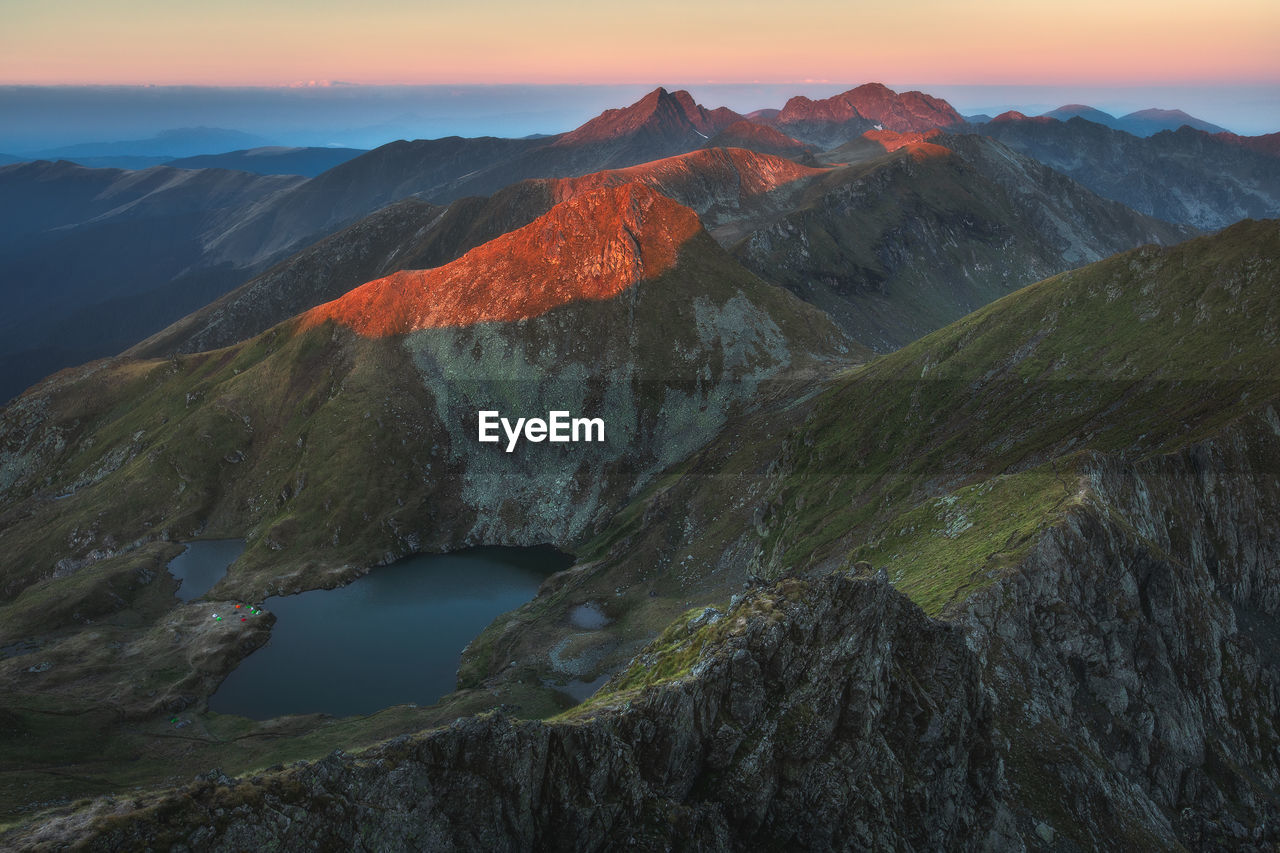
[824,715]
[1117,690]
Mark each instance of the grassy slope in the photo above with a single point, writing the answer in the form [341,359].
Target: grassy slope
[905,243]
[943,460]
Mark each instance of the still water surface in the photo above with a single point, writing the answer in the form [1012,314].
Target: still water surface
[391,637]
[203,564]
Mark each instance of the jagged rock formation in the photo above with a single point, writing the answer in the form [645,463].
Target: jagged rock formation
[824,715]
[1268,143]
[1100,695]
[659,125]
[1019,475]
[619,235]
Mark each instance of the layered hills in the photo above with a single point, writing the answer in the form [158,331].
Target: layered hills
[763,139]
[93,259]
[727,188]
[1140,123]
[210,232]
[213,229]
[895,246]
[890,246]
[271,160]
[1011,580]
[1019,564]
[1186,175]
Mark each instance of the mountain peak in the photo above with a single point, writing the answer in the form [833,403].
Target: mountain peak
[1151,121]
[1015,115]
[876,103]
[591,246]
[659,113]
[1067,112]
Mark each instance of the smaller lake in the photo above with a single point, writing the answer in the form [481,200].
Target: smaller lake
[394,636]
[203,564]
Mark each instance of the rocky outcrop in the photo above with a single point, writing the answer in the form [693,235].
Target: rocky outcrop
[621,235]
[1102,694]
[1132,654]
[660,124]
[814,716]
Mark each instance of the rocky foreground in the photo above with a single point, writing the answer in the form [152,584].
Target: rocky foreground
[1116,690]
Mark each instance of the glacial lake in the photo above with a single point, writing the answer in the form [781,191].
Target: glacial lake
[203,564]
[392,637]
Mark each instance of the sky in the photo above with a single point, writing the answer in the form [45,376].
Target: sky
[323,72]
[282,42]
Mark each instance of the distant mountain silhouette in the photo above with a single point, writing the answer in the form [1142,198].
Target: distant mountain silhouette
[307,162]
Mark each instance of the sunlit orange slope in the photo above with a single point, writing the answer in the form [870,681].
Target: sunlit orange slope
[681,175]
[592,246]
[916,143]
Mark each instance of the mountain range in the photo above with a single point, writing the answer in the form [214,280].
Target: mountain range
[1186,175]
[229,239]
[936,499]
[1139,123]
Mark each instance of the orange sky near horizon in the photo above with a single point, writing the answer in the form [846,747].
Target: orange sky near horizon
[282,42]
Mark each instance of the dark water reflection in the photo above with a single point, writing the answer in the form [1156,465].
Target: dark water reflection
[203,564]
[391,637]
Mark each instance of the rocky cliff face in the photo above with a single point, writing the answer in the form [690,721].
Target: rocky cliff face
[1133,654]
[1106,693]
[831,714]
[1013,586]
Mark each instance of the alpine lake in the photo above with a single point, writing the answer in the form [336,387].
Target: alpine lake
[394,636]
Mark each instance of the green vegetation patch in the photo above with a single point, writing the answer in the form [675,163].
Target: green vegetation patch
[946,548]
